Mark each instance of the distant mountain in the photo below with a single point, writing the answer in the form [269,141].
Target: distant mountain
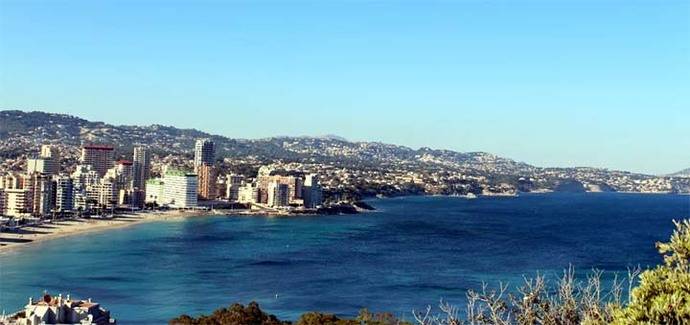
[682,173]
[22,132]
[393,168]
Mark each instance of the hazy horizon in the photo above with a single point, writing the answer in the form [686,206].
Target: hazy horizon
[553,84]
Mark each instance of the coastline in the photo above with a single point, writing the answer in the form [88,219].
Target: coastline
[65,228]
[28,235]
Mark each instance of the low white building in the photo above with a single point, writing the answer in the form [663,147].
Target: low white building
[177,189]
[154,191]
[249,193]
[58,310]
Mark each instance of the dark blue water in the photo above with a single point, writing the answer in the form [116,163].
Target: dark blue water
[409,254]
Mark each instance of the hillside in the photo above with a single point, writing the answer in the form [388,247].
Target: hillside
[682,173]
[364,167]
[22,132]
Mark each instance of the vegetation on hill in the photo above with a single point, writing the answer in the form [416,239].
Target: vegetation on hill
[662,296]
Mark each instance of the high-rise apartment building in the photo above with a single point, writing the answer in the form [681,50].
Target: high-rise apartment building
[312,194]
[2,201]
[207,177]
[106,193]
[40,191]
[233,182]
[64,193]
[42,165]
[204,153]
[17,202]
[277,194]
[83,176]
[141,167]
[121,174]
[99,157]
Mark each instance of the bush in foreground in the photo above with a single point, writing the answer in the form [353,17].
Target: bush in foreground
[233,315]
[662,297]
[252,315]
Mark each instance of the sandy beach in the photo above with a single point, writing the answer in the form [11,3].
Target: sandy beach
[62,228]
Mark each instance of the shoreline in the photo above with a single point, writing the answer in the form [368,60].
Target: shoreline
[29,235]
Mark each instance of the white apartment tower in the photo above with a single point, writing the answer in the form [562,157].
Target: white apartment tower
[179,189]
[204,153]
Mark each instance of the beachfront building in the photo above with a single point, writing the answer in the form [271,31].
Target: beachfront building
[64,193]
[204,153]
[278,195]
[59,310]
[207,178]
[17,202]
[40,191]
[233,182]
[83,176]
[106,193]
[141,168]
[179,189]
[84,180]
[100,157]
[141,171]
[248,194]
[312,192]
[121,173]
[154,191]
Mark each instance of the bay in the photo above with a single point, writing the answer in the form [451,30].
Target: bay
[408,254]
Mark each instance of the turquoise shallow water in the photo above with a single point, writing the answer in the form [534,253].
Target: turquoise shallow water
[409,254]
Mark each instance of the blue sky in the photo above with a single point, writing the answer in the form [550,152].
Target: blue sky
[551,83]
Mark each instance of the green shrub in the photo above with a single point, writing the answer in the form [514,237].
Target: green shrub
[663,295]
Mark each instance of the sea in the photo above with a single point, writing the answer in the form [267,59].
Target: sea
[408,254]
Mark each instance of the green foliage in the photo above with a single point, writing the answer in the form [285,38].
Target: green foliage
[234,315]
[663,295]
[252,315]
[365,318]
[314,318]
